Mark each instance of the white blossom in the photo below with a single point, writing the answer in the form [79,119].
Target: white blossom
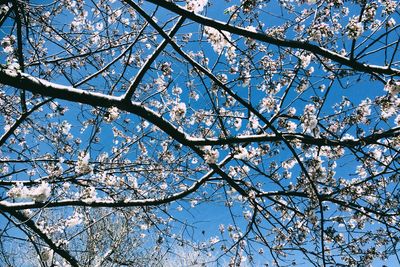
[391,23]
[288,164]
[309,119]
[268,104]
[210,155]
[232,11]
[39,194]
[393,87]
[112,114]
[14,65]
[363,111]
[99,26]
[178,111]
[219,41]
[319,31]
[291,126]
[73,220]
[241,153]
[292,111]
[47,256]
[247,214]
[237,123]
[354,28]
[82,165]
[65,127]
[196,6]
[397,120]
[253,122]
[7,43]
[89,194]
[193,203]
[214,240]
[305,59]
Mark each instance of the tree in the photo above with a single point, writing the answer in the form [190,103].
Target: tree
[244,131]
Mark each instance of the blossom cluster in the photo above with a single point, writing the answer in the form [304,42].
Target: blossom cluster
[363,111]
[112,114]
[7,43]
[309,118]
[196,6]
[178,111]
[39,193]
[393,87]
[354,28]
[210,155]
[82,165]
[320,31]
[268,103]
[220,40]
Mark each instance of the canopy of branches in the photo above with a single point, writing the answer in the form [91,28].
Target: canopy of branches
[236,132]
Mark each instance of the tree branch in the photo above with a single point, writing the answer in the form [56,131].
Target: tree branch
[132,87]
[262,37]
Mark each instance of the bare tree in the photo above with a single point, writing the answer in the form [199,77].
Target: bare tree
[245,132]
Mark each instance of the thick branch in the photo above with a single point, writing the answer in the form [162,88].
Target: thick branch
[274,41]
[303,138]
[8,206]
[27,82]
